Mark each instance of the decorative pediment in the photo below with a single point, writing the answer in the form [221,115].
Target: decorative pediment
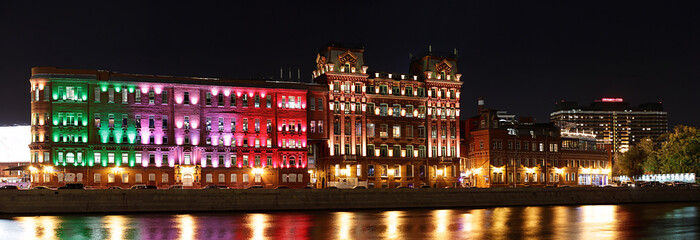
[347,57]
[320,61]
[443,65]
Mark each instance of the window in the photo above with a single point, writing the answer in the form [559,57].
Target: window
[384,170]
[397,131]
[370,170]
[245,100]
[220,100]
[151,122]
[370,129]
[383,130]
[245,125]
[111,120]
[269,125]
[397,110]
[257,125]
[97,120]
[312,104]
[98,93]
[125,158]
[137,96]
[320,104]
[125,118]
[312,126]
[397,171]
[245,160]
[208,99]
[358,128]
[421,151]
[383,109]
[257,100]
[125,96]
[111,95]
[320,126]
[234,178]
[348,126]
[165,122]
[151,97]
[383,150]
[245,178]
[422,171]
[110,157]
[233,100]
[268,101]
[164,97]
[409,171]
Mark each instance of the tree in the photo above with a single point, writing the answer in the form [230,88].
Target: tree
[680,153]
[631,162]
[652,163]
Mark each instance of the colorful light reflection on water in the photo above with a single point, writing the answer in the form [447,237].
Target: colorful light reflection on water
[598,222]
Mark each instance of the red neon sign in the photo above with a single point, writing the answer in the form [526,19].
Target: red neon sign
[611,100]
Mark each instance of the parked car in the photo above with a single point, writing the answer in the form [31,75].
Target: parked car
[9,187]
[359,187]
[141,186]
[425,186]
[331,187]
[73,186]
[255,186]
[215,187]
[282,187]
[41,188]
[114,187]
[175,187]
[89,188]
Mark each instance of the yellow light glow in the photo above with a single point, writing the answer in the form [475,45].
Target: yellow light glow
[115,226]
[530,170]
[439,172]
[559,170]
[186,170]
[32,169]
[117,169]
[391,172]
[257,170]
[498,170]
[48,169]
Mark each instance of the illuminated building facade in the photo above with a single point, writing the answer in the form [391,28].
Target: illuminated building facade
[107,129]
[614,121]
[500,151]
[386,130]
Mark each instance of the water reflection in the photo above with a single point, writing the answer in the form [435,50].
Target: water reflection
[547,222]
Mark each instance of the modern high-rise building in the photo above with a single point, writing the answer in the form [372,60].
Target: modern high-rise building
[613,121]
[386,129]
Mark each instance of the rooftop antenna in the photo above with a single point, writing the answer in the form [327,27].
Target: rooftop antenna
[410,56]
[280,73]
[455,51]
[430,49]
[290,73]
[299,74]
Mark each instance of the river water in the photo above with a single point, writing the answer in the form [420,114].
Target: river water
[634,221]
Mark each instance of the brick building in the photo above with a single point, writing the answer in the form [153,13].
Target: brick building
[386,130]
[501,151]
[108,129]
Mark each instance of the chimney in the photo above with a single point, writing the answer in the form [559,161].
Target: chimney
[480,103]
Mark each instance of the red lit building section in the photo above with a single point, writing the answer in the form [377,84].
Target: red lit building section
[108,129]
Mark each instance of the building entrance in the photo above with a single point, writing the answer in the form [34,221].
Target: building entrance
[187,180]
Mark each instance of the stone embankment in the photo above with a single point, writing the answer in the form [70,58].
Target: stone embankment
[175,200]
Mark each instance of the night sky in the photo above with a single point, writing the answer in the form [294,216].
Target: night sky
[521,56]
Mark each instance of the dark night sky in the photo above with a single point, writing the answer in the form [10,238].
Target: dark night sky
[521,56]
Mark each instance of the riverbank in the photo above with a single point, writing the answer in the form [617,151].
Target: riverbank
[156,200]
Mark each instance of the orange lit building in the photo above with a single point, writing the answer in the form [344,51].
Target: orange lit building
[500,151]
[387,130]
